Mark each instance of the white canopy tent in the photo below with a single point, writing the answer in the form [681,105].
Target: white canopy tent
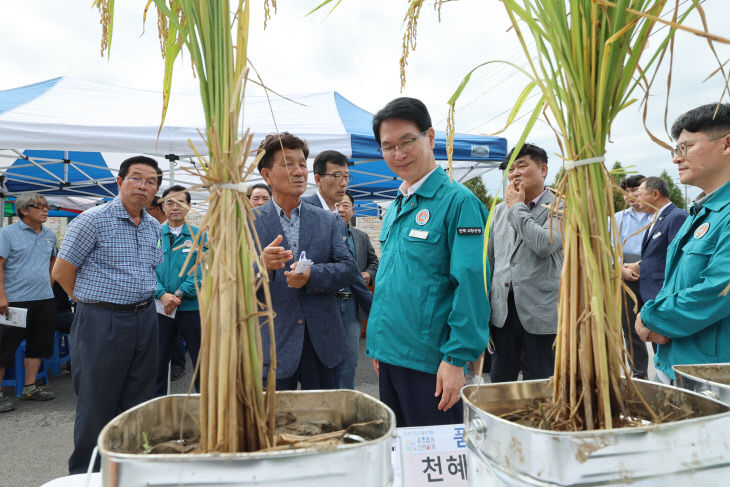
[67,115]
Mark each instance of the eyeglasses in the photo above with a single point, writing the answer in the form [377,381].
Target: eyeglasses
[41,206]
[145,183]
[405,147]
[173,203]
[339,177]
[682,148]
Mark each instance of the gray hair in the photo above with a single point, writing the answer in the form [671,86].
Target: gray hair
[26,200]
[654,183]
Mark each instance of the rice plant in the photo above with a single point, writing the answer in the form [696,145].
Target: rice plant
[590,56]
[237,409]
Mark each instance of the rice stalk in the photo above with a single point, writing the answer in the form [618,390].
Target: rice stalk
[235,413]
[586,65]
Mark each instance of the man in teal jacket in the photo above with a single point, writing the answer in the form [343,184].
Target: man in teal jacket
[177,294]
[690,317]
[430,313]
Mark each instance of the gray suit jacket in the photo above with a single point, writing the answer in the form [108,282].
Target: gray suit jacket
[315,305]
[522,256]
[367,260]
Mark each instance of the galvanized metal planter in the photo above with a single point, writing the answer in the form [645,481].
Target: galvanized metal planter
[711,380]
[366,464]
[668,454]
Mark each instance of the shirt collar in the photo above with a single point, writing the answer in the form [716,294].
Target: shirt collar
[534,202]
[279,210]
[325,205]
[415,186]
[167,229]
[23,225]
[117,208]
[660,210]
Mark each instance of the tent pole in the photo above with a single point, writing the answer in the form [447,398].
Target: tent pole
[2,200]
[172,158]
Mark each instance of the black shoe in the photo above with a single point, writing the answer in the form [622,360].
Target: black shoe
[5,404]
[177,372]
[37,394]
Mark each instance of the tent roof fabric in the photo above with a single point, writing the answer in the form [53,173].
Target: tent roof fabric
[63,118]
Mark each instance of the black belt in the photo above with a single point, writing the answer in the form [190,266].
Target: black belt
[141,306]
[344,295]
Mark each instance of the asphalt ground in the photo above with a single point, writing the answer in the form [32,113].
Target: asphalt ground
[36,438]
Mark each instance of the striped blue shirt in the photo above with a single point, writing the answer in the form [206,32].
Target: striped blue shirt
[27,261]
[115,258]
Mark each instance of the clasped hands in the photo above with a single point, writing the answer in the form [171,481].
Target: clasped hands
[630,272]
[170,302]
[646,334]
[274,257]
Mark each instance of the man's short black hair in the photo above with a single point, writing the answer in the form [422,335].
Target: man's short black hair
[632,182]
[654,183]
[536,153]
[177,189]
[331,156]
[156,202]
[704,119]
[265,186]
[403,108]
[274,142]
[124,167]
[352,200]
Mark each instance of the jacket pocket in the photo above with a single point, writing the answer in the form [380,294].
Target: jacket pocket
[549,285]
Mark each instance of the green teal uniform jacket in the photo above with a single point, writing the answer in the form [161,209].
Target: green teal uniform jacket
[175,254]
[430,304]
[690,308]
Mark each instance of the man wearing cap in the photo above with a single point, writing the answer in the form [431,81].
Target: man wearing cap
[690,317]
[107,263]
[430,310]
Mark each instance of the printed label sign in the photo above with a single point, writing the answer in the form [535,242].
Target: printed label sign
[431,455]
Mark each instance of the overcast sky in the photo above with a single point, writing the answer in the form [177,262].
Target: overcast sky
[356,52]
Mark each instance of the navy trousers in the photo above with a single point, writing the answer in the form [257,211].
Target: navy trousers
[311,373]
[410,394]
[513,346]
[353,329]
[187,325]
[115,363]
[635,347]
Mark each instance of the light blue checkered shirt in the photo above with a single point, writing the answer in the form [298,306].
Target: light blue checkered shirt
[115,258]
[290,226]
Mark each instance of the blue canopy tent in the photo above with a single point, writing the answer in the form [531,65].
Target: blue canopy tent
[100,125]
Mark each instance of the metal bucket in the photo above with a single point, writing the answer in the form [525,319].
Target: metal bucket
[668,454]
[711,380]
[367,463]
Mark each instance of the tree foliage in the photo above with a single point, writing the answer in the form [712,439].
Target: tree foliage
[476,186]
[675,193]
